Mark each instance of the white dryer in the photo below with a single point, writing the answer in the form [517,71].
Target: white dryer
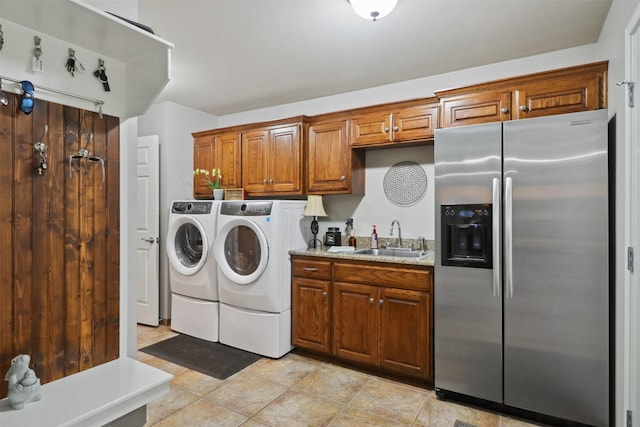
[254,272]
[193,273]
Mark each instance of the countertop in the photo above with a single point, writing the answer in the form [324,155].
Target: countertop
[323,253]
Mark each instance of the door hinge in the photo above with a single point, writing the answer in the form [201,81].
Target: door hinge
[629,421]
[630,259]
[630,86]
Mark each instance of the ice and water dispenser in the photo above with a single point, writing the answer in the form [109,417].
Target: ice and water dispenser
[466,235]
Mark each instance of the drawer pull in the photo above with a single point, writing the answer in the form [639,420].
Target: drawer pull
[371,300]
[324,294]
[309,268]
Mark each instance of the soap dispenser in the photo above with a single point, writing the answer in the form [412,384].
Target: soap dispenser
[374,238]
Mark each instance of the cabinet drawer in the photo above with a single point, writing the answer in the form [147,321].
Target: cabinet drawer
[311,269]
[400,277]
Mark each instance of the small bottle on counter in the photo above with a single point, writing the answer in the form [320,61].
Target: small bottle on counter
[350,233]
[374,238]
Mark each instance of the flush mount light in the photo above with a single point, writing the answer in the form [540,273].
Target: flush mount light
[373,9]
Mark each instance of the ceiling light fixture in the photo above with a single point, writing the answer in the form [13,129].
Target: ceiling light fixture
[373,9]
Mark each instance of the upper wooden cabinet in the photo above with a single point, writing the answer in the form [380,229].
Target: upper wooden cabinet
[272,160]
[395,125]
[566,90]
[216,150]
[323,154]
[332,167]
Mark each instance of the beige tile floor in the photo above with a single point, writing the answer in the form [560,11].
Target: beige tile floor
[298,391]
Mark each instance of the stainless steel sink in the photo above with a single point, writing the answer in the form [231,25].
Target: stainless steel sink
[401,253]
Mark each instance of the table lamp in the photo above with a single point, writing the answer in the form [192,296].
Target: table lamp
[315,209]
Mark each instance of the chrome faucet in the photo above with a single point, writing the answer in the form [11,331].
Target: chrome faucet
[395,221]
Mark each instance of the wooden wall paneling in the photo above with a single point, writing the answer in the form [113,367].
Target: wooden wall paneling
[6,236]
[59,241]
[100,246]
[112,190]
[40,245]
[57,174]
[86,198]
[73,142]
[22,228]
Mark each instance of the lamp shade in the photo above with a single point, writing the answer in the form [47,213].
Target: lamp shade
[314,206]
[373,9]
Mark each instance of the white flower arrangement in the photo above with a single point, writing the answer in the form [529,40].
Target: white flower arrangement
[213,178]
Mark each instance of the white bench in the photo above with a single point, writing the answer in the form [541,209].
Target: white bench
[99,396]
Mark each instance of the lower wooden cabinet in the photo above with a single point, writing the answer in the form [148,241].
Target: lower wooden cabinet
[312,314]
[379,317]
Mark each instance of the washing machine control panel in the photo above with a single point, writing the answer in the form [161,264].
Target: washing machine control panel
[246,208]
[191,207]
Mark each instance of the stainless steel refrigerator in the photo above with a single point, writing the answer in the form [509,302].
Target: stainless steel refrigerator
[522,265]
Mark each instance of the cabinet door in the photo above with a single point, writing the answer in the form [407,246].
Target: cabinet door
[476,108]
[405,325]
[558,96]
[371,129]
[329,160]
[415,123]
[285,168]
[310,314]
[355,322]
[203,158]
[255,161]
[227,158]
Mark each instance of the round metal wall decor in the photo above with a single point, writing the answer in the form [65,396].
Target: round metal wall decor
[405,183]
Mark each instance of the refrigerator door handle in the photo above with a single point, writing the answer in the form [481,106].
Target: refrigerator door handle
[497,268]
[508,237]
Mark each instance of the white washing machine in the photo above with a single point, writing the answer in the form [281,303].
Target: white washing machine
[254,272]
[193,273]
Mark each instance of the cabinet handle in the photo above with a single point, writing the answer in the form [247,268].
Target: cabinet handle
[270,180]
[395,128]
[381,301]
[324,294]
[386,130]
[504,110]
[342,178]
[264,181]
[371,300]
[523,108]
[309,268]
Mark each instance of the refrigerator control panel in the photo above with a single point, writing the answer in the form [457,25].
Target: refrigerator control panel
[466,235]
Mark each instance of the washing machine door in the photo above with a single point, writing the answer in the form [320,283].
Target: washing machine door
[241,250]
[187,245]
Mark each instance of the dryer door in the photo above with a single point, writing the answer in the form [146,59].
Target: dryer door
[241,251]
[187,245]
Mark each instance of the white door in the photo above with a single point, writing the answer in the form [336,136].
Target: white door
[632,221]
[148,230]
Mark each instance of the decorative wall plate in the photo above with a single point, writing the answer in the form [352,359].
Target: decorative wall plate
[405,183]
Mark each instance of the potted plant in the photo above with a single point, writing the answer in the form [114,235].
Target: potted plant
[213,180]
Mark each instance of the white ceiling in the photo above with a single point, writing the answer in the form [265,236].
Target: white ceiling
[238,55]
